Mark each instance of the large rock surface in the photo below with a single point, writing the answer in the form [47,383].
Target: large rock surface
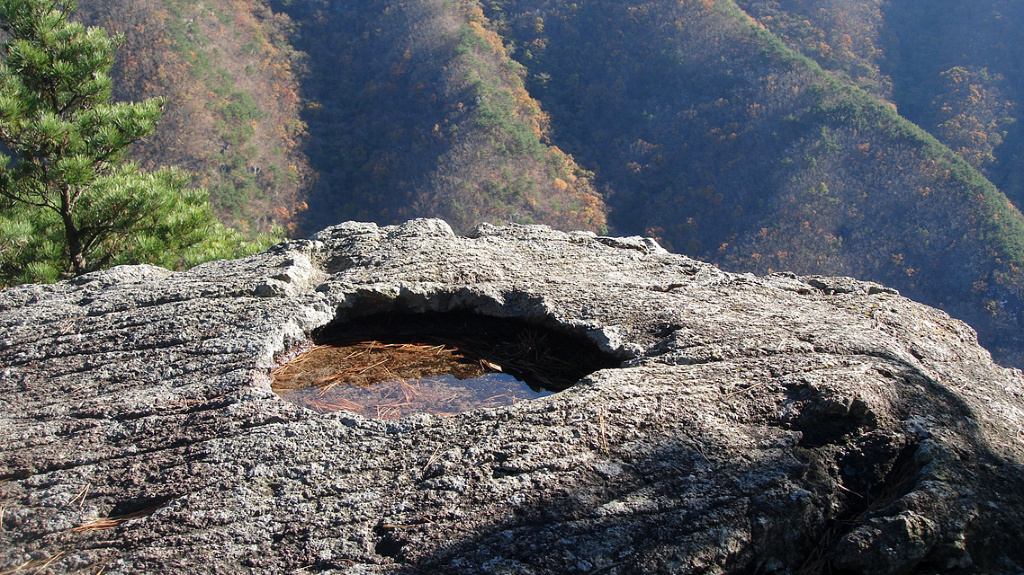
[755,425]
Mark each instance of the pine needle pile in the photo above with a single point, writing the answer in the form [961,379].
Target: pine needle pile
[439,364]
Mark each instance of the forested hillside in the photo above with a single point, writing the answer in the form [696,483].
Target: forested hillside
[952,67]
[715,136]
[232,117]
[855,137]
[415,108]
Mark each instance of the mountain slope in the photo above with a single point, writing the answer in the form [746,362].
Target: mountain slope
[951,66]
[713,135]
[414,108]
[232,117]
[960,77]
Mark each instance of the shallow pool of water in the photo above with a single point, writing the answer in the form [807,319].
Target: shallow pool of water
[438,395]
[392,366]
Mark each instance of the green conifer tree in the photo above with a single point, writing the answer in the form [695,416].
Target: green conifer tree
[70,203]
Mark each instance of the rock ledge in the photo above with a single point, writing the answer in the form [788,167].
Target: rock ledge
[774,424]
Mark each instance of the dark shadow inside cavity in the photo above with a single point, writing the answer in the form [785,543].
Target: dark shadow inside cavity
[544,358]
[392,365]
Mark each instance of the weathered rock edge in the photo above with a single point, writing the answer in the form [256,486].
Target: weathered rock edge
[774,424]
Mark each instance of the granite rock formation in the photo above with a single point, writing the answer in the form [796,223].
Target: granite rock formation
[775,424]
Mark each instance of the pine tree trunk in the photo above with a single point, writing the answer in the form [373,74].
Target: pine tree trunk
[71,233]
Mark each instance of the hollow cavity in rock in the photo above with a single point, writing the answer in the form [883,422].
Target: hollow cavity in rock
[391,366]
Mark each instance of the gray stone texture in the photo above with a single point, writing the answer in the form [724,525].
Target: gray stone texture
[775,424]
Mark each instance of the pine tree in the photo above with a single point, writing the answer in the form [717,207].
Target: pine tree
[70,203]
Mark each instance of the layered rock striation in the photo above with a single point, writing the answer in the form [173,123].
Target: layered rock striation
[749,424]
